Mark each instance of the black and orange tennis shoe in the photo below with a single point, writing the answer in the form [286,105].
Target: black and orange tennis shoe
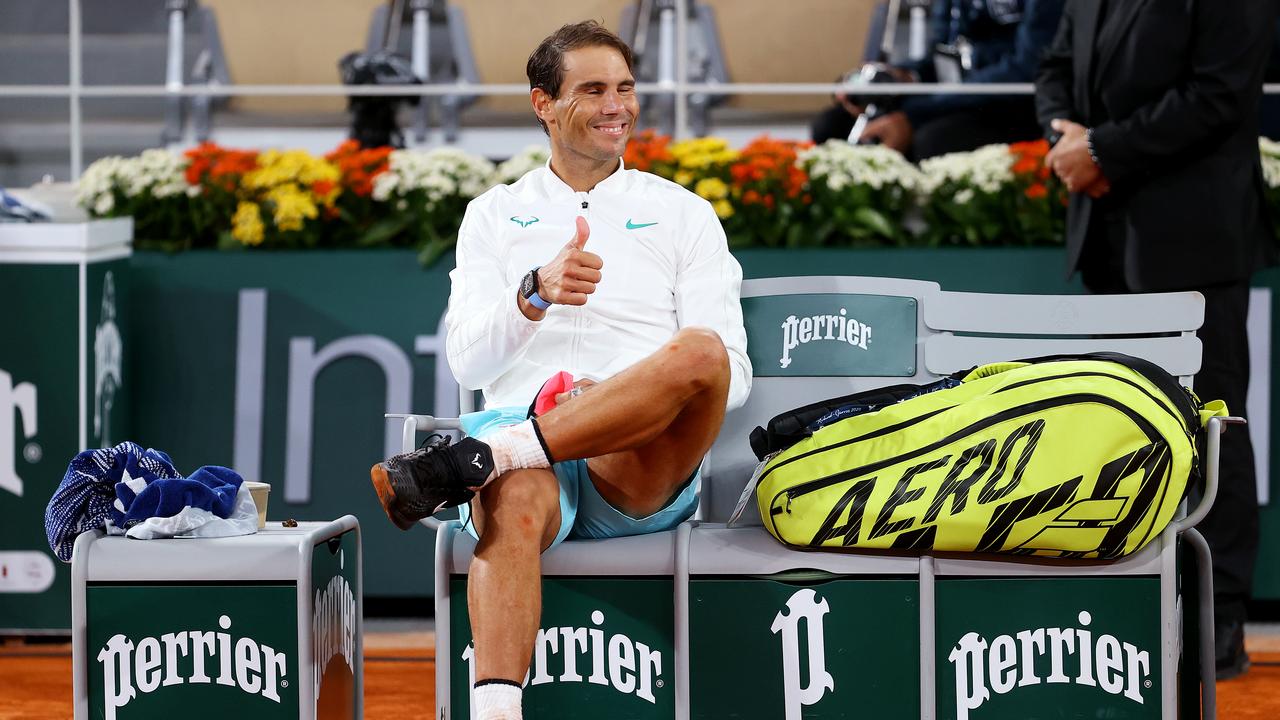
[434,477]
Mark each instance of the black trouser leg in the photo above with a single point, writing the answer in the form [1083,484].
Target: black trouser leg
[1231,528]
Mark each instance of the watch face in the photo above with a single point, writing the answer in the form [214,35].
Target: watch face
[528,285]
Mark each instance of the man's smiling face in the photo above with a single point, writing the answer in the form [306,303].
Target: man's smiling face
[597,106]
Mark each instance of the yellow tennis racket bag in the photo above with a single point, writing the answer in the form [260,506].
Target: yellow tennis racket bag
[1068,456]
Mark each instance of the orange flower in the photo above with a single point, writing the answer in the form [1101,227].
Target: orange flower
[766,167]
[1037,191]
[1026,164]
[218,166]
[647,149]
[359,166]
[1029,158]
[1033,148]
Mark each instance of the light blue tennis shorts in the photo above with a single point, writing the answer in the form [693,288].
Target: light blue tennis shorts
[583,513]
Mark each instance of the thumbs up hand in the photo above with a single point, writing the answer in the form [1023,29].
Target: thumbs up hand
[573,274]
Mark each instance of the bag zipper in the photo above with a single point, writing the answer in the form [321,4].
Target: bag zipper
[1189,429]
[869,436]
[1182,422]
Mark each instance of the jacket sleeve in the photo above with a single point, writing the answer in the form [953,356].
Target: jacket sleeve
[1055,81]
[708,287]
[485,332]
[1226,56]
[1034,33]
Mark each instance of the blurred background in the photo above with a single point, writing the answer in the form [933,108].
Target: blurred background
[300,43]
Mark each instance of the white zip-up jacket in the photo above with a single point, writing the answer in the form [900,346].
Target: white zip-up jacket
[666,266]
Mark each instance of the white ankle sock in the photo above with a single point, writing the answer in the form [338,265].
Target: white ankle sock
[496,701]
[515,447]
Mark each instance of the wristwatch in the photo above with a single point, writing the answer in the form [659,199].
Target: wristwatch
[529,290]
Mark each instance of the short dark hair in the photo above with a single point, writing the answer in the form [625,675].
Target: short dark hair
[546,64]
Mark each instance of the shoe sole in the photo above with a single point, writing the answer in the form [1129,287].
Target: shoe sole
[387,496]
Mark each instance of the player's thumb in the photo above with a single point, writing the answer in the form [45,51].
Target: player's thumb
[579,240]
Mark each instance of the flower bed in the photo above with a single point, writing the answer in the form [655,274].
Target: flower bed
[769,193]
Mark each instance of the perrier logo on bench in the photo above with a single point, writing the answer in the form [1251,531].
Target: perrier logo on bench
[144,665]
[831,335]
[192,651]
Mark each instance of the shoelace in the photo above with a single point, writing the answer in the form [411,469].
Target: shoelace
[437,446]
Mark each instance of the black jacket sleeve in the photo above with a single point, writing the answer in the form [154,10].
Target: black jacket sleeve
[1231,39]
[1056,78]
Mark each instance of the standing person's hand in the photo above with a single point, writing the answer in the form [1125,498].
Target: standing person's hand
[849,106]
[1071,161]
[1099,188]
[893,130]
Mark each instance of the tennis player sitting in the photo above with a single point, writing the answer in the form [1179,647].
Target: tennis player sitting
[616,276]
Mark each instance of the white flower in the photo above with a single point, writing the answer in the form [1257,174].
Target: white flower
[840,164]
[532,157]
[1270,161]
[155,174]
[440,173]
[988,169]
[963,195]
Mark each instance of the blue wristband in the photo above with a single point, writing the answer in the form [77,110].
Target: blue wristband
[536,300]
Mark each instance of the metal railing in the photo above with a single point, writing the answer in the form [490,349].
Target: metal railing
[671,81]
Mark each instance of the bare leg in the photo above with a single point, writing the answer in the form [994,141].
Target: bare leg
[516,516]
[647,428]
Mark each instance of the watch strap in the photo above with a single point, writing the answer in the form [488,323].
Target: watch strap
[534,298]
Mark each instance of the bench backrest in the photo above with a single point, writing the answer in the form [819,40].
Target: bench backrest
[811,338]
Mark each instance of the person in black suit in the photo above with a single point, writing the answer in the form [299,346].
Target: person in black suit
[1152,106]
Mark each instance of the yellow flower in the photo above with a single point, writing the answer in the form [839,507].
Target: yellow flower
[723,209]
[292,206]
[702,152]
[683,177]
[246,225]
[711,188]
[294,167]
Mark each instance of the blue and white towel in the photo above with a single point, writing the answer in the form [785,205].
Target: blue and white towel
[211,502]
[14,209]
[84,498]
[210,488]
[139,493]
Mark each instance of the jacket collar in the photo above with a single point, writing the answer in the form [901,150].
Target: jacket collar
[554,187]
[1113,30]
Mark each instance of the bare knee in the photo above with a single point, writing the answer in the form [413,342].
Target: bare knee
[522,506]
[702,355]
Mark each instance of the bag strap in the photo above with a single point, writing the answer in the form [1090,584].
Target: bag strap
[788,428]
